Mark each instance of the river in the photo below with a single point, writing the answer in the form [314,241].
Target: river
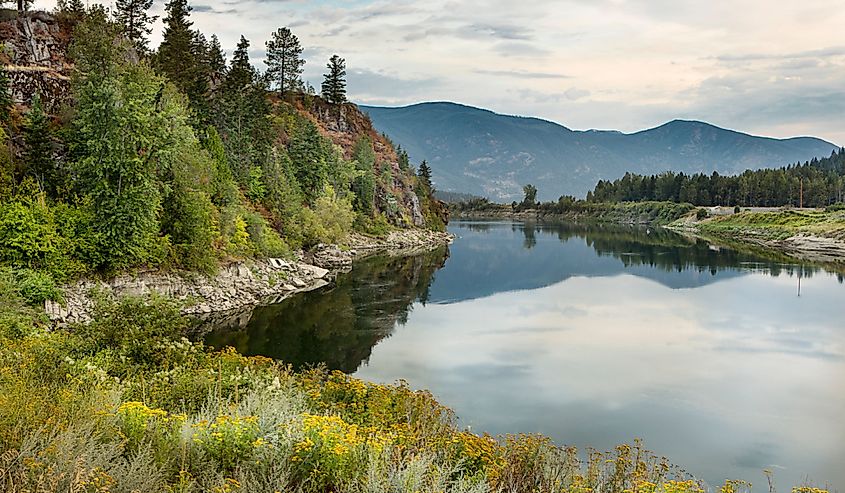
[726,362]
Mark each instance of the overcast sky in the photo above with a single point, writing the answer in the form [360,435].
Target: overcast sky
[768,67]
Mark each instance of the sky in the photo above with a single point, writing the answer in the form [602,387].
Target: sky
[768,67]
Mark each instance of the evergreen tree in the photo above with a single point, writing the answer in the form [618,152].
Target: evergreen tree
[181,55]
[284,61]
[308,153]
[72,8]
[5,99]
[216,61]
[38,148]
[334,82]
[424,174]
[241,74]
[134,17]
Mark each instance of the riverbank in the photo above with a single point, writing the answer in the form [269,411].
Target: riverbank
[239,284]
[630,213]
[812,235]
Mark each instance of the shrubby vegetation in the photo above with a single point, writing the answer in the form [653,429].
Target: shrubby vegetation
[126,403]
[568,207]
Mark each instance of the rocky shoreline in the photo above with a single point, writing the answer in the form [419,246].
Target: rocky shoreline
[241,284]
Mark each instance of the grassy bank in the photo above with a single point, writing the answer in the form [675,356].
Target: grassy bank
[778,225]
[656,213]
[126,404]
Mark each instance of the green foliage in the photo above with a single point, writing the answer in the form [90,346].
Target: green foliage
[364,185]
[424,175]
[38,150]
[123,134]
[36,287]
[530,198]
[255,189]
[5,98]
[29,238]
[284,61]
[132,328]
[180,55]
[134,17]
[334,82]
[701,213]
[308,152]
[329,221]
[189,214]
[816,183]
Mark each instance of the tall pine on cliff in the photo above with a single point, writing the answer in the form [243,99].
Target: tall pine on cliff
[134,16]
[334,82]
[284,61]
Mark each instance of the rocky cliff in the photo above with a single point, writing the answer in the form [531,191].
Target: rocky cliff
[34,55]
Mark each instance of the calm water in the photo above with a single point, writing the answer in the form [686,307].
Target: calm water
[596,336]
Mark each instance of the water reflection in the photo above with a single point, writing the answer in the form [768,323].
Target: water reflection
[337,326]
[596,336]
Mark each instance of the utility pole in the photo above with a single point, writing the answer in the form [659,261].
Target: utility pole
[801,195]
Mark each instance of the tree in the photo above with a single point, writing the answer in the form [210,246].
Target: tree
[216,63]
[424,174]
[530,199]
[308,153]
[73,8]
[284,61]
[364,185]
[334,82]
[5,99]
[133,16]
[181,55]
[38,148]
[241,74]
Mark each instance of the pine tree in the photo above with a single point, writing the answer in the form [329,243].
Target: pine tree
[284,61]
[38,149]
[241,74]
[177,57]
[334,82]
[216,58]
[424,174]
[133,16]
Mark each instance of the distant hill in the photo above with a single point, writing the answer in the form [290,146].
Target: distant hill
[477,151]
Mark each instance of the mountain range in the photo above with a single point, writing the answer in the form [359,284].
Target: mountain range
[477,151]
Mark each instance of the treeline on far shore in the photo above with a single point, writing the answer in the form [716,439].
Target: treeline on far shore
[819,183]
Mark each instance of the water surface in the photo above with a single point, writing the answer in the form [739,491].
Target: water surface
[727,362]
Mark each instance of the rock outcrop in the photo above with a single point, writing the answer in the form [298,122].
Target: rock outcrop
[34,56]
[237,285]
[241,285]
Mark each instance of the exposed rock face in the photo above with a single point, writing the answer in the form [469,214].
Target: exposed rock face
[235,286]
[35,58]
[242,285]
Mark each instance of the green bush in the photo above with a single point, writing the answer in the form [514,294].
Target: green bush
[701,213]
[329,221]
[36,287]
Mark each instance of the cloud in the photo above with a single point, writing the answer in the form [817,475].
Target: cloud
[771,68]
[522,75]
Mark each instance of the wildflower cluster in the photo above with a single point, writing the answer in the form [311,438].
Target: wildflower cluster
[229,439]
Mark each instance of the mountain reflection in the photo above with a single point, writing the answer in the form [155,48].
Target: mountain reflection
[496,256]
